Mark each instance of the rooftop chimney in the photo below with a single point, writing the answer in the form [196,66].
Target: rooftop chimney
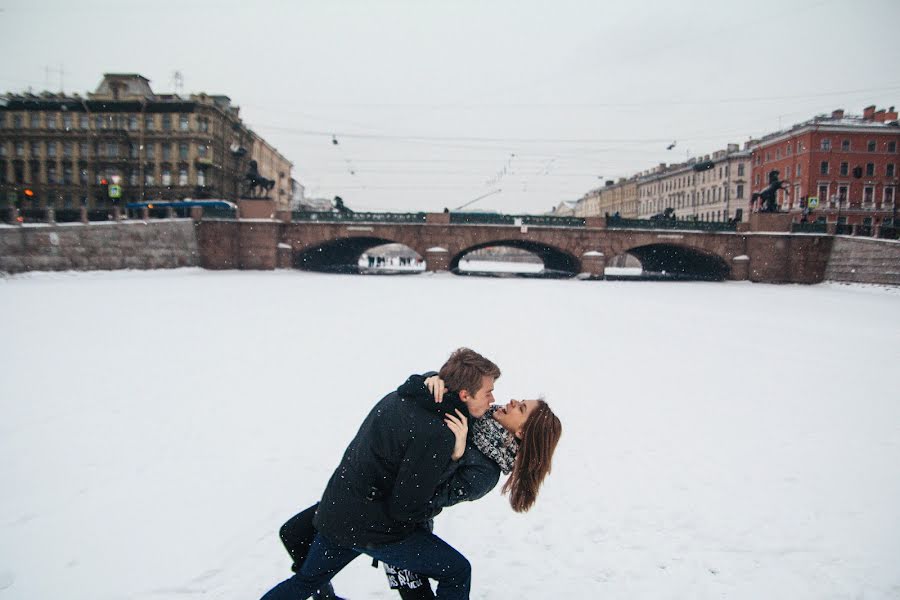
[879,116]
[891,115]
[837,114]
[869,112]
[610,182]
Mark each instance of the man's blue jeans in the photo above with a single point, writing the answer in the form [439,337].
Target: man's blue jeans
[421,552]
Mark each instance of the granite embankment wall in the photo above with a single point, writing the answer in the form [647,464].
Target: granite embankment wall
[864,260]
[163,244]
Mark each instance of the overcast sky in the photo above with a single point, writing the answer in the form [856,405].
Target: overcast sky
[435,104]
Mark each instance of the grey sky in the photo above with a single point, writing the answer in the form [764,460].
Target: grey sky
[437,103]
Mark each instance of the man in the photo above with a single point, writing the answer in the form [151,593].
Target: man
[381,490]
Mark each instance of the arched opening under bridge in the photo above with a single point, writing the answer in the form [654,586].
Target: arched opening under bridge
[673,262]
[515,258]
[366,255]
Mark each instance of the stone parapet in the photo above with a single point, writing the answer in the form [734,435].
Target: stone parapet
[110,246]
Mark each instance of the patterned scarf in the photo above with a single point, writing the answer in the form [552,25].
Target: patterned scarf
[494,441]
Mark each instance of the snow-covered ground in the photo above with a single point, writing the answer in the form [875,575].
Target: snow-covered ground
[721,440]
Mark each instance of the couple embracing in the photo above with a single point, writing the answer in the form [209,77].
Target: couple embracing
[434,442]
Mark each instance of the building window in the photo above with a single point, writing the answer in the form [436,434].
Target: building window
[184,123]
[892,147]
[889,170]
[823,192]
[148,175]
[83,122]
[739,191]
[112,149]
[2,148]
[51,172]
[133,177]
[150,151]
[797,170]
[202,150]
[20,149]
[789,150]
[17,121]
[148,123]
[842,193]
[845,169]
[183,151]
[84,149]
[740,169]
[777,153]
[35,149]
[870,169]
[868,194]
[51,121]
[167,122]
[134,151]
[132,122]
[67,174]
[51,149]
[166,178]
[166,151]
[845,145]
[35,120]
[67,122]
[201,177]
[203,124]
[823,168]
[826,145]
[871,146]
[183,175]
[82,173]
[67,149]
[767,157]
[888,195]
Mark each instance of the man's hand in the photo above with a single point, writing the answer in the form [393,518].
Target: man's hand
[459,425]
[435,385]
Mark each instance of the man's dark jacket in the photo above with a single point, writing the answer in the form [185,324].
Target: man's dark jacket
[389,473]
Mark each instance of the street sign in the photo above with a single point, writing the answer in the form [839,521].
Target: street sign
[115,191]
[812,202]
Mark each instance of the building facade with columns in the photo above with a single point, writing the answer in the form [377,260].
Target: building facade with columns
[614,197]
[62,151]
[713,187]
[848,163]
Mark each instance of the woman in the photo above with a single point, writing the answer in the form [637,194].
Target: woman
[517,439]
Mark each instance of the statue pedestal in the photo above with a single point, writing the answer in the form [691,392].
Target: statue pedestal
[256,208]
[780,221]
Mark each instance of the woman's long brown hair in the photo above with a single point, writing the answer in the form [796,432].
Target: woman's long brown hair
[533,460]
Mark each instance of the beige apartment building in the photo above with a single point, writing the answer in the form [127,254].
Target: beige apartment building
[64,151]
[615,197]
[709,188]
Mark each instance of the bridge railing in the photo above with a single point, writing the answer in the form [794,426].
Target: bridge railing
[809,227]
[669,224]
[498,219]
[357,217]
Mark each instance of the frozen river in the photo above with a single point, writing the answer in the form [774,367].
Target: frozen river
[721,440]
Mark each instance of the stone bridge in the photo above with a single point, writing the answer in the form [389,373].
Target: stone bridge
[763,250]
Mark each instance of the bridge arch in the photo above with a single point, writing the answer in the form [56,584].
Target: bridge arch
[340,255]
[680,261]
[555,261]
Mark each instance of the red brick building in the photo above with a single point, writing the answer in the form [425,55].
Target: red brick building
[849,163]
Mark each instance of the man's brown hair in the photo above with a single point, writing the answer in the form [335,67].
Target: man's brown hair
[464,371]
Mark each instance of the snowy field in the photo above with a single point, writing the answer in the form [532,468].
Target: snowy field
[721,440]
